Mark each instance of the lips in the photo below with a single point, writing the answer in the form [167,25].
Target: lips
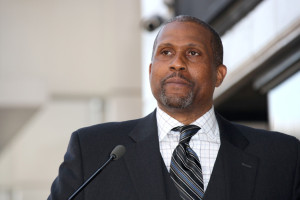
[177,81]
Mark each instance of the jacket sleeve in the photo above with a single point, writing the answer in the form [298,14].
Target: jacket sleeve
[296,195]
[70,175]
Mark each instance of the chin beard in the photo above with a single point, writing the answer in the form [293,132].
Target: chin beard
[175,101]
[178,102]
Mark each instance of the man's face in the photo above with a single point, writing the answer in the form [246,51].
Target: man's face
[182,73]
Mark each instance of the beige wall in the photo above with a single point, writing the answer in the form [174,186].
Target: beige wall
[74,47]
[75,63]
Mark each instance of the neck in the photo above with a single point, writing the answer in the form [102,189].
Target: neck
[185,116]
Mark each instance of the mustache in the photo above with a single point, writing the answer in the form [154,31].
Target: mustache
[179,75]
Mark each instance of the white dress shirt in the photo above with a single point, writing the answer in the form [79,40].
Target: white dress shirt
[206,142]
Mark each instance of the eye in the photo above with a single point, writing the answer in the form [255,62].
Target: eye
[166,52]
[193,53]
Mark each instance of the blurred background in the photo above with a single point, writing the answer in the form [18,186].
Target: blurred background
[65,64]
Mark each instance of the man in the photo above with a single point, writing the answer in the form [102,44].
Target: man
[210,159]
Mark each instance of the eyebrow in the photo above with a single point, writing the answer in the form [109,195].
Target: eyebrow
[170,45]
[194,45]
[165,44]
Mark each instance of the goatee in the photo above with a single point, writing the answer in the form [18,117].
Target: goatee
[178,102]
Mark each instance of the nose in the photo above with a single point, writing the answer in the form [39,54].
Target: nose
[178,63]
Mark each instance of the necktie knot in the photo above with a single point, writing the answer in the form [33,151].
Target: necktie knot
[186,132]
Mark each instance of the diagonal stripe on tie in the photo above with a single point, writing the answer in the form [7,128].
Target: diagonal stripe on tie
[185,167]
[191,165]
[187,180]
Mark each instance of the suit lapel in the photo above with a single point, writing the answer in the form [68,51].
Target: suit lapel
[144,161]
[234,173]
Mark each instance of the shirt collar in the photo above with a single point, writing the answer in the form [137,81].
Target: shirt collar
[207,122]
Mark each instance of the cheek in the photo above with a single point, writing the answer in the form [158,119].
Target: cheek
[157,72]
[155,77]
[205,78]
[200,73]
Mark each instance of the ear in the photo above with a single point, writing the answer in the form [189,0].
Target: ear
[221,73]
[150,68]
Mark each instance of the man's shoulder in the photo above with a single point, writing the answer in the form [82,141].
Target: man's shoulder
[112,129]
[270,143]
[263,134]
[107,129]
[259,136]
[109,126]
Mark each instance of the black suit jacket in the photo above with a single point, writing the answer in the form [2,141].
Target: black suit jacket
[251,164]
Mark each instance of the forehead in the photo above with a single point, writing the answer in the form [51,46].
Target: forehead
[184,32]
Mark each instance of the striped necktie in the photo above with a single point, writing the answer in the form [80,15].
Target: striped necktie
[185,167]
